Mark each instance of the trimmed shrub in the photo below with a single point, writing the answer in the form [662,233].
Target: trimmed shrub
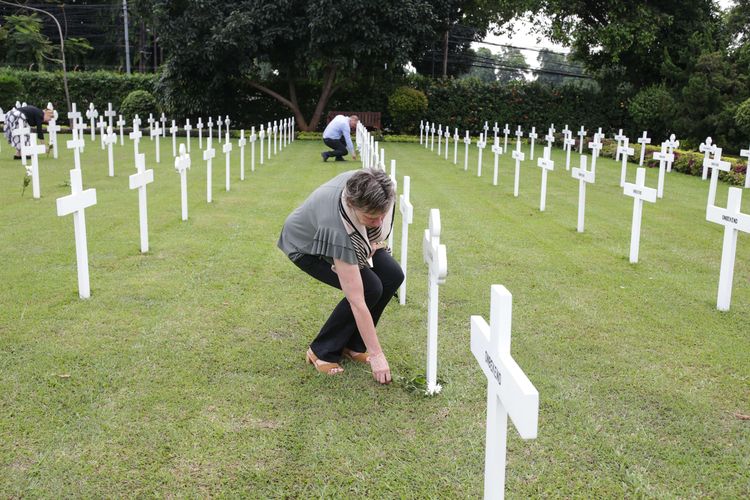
[406,107]
[742,117]
[11,91]
[653,109]
[139,102]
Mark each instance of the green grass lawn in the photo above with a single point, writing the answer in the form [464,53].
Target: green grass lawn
[183,375]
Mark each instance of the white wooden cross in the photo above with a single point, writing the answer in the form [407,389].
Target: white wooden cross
[74,115]
[275,134]
[269,133]
[53,128]
[150,124]
[110,113]
[519,134]
[226,124]
[672,144]
[291,120]
[155,132]
[746,153]
[261,136]
[486,129]
[715,165]
[707,148]
[421,131]
[550,137]
[121,124]
[173,130]
[584,176]
[110,138]
[199,126]
[519,156]
[187,128]
[545,163]
[663,156]
[595,147]
[643,140]
[394,179]
[181,165]
[532,137]
[219,122]
[440,140]
[455,147]
[136,134]
[625,151]
[227,149]
[640,193]
[253,138]
[581,140]
[81,126]
[568,143]
[75,203]
[567,133]
[427,135]
[139,181]
[407,216]
[210,125]
[24,134]
[432,137]
[496,151]
[435,257]
[481,144]
[102,123]
[467,141]
[509,391]
[163,120]
[76,144]
[447,141]
[241,143]
[506,131]
[619,138]
[496,129]
[208,154]
[33,150]
[92,114]
[733,221]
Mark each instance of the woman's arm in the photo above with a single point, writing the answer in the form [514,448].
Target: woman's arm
[351,283]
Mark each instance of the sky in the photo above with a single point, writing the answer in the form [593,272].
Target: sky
[524,38]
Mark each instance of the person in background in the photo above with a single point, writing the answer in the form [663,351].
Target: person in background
[338,237]
[338,137]
[26,116]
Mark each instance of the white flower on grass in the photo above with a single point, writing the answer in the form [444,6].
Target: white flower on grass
[28,170]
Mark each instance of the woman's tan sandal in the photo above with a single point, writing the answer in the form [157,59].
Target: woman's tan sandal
[323,366]
[360,357]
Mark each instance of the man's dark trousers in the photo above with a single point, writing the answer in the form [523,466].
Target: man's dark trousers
[338,146]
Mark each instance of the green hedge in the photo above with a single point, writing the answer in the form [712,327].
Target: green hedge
[41,87]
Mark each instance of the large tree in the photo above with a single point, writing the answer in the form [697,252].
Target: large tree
[275,46]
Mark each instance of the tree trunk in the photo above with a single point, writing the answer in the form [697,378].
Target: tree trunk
[445,52]
[329,76]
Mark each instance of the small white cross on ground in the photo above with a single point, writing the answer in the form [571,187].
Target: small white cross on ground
[208,154]
[584,177]
[435,257]
[532,137]
[581,139]
[481,144]
[707,148]
[545,163]
[663,156]
[33,150]
[518,156]
[715,165]
[139,181]
[227,150]
[509,390]
[156,134]
[467,141]
[76,203]
[407,216]
[643,140]
[625,151]
[640,193]
[182,165]
[733,221]
[242,143]
[110,138]
[496,151]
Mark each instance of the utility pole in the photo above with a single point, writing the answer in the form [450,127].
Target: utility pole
[127,43]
